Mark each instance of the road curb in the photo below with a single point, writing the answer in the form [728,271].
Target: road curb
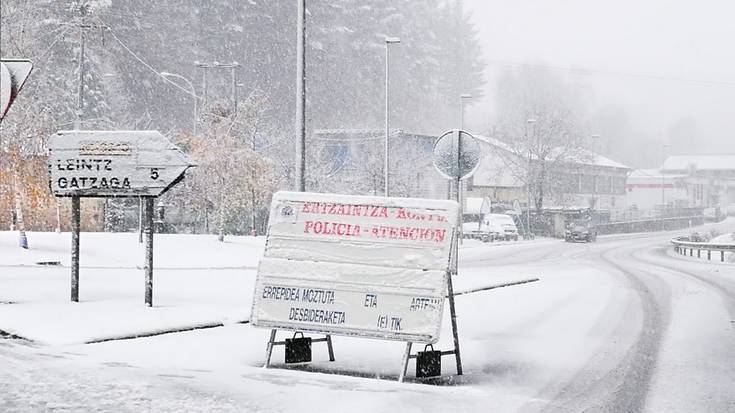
[162,332]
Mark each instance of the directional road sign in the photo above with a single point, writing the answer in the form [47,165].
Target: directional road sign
[13,74]
[113,163]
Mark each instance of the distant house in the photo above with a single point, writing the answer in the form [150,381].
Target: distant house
[587,180]
[351,161]
[709,180]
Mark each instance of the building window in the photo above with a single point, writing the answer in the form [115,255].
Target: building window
[588,184]
[618,185]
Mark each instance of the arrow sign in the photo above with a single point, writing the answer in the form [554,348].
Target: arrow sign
[113,163]
[13,74]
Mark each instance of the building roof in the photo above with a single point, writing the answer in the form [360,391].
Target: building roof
[587,157]
[700,162]
[652,173]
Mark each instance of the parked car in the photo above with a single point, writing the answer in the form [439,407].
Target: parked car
[490,227]
[580,231]
[479,230]
[503,225]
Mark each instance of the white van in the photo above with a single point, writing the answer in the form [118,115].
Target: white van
[490,227]
[503,225]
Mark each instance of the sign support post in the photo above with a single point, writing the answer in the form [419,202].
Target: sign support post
[404,361]
[75,224]
[455,267]
[149,251]
[453,315]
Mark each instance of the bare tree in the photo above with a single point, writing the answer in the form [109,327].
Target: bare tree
[540,121]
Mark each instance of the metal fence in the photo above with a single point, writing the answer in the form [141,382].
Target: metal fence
[682,245]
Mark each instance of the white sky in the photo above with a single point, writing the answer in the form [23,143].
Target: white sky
[659,38]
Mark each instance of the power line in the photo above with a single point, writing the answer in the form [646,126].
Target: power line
[594,72]
[149,67]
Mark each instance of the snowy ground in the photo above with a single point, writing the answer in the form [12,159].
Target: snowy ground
[617,325]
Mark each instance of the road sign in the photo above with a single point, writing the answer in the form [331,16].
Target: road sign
[13,74]
[355,265]
[113,163]
[446,160]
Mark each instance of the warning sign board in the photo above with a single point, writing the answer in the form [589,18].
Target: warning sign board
[355,265]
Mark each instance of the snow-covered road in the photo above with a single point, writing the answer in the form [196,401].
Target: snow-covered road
[621,325]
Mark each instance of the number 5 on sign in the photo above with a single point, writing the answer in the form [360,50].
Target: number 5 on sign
[154,173]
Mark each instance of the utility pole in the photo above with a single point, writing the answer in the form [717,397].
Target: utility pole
[80,100]
[301,97]
[83,25]
[386,178]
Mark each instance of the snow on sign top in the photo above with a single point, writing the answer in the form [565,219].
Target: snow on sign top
[113,163]
[355,265]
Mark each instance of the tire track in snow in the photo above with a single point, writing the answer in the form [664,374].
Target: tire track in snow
[725,289]
[624,386]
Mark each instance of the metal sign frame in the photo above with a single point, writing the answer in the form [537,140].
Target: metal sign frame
[286,273]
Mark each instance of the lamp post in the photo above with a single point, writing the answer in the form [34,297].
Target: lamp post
[388,41]
[192,93]
[300,97]
[529,122]
[462,98]
[663,182]
[595,170]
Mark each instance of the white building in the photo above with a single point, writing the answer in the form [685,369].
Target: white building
[648,189]
[591,181]
[709,179]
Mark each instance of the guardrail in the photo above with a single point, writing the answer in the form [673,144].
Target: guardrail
[646,225]
[682,244]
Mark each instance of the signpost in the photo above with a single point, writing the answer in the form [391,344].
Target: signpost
[456,156]
[13,74]
[113,164]
[356,265]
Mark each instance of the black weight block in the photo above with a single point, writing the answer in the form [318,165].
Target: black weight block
[429,363]
[298,349]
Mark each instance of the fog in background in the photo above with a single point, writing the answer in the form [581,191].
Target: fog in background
[652,72]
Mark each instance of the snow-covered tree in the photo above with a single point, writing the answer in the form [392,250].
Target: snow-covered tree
[541,120]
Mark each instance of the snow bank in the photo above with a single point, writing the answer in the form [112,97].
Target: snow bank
[198,281]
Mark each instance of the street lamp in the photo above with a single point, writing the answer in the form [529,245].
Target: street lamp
[388,41]
[663,183]
[529,122]
[462,97]
[595,171]
[192,93]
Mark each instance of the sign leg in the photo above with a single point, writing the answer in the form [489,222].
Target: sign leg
[455,334]
[149,251]
[75,224]
[269,348]
[404,362]
[330,348]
